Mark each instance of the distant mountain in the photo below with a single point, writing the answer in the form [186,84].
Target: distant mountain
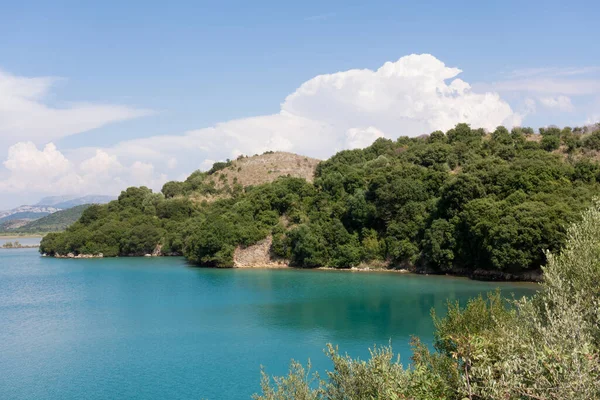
[64,202]
[55,222]
[54,200]
[18,218]
[27,212]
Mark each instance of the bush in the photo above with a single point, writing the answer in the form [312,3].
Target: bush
[550,142]
[592,142]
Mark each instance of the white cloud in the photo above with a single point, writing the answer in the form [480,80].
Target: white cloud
[357,138]
[32,168]
[25,158]
[593,119]
[101,163]
[172,163]
[411,96]
[25,115]
[561,103]
[569,87]
[554,71]
[408,97]
[550,81]
[48,171]
[415,95]
[529,105]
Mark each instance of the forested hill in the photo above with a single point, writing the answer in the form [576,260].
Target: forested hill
[56,221]
[453,201]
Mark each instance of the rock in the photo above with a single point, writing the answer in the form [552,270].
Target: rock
[157,251]
[257,256]
[147,255]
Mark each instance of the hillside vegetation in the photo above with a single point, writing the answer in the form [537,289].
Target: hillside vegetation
[54,222]
[229,178]
[455,201]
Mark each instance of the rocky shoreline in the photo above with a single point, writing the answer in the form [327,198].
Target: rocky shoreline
[258,256]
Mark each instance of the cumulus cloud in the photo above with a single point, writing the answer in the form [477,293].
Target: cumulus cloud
[561,103]
[411,96]
[101,163]
[415,95]
[25,158]
[24,114]
[48,171]
[357,138]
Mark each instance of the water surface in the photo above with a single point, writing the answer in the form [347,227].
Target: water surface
[26,240]
[141,328]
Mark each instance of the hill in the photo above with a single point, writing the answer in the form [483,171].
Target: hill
[227,178]
[55,222]
[230,178]
[19,219]
[265,168]
[464,201]
[26,213]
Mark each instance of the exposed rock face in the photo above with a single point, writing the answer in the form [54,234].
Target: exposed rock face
[257,256]
[157,251]
[71,255]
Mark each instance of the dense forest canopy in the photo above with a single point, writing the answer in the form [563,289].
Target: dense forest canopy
[458,200]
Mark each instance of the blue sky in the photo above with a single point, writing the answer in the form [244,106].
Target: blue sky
[148,69]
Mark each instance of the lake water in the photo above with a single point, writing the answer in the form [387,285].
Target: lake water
[26,241]
[141,328]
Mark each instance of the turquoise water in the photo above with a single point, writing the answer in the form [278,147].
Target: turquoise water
[140,328]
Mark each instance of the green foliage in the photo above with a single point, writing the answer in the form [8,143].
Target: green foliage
[546,347]
[173,189]
[460,200]
[219,166]
[592,142]
[439,244]
[550,142]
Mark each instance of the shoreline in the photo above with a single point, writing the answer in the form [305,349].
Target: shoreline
[24,236]
[476,275]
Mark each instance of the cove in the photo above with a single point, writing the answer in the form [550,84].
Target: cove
[156,328]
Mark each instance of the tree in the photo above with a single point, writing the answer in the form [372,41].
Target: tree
[592,141]
[439,244]
[550,142]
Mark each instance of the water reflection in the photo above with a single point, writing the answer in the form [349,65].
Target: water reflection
[342,305]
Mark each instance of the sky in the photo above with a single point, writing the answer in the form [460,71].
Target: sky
[99,96]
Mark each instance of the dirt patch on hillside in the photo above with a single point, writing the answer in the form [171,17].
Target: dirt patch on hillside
[266,168]
[257,256]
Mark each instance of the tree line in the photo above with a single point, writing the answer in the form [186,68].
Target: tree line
[449,201]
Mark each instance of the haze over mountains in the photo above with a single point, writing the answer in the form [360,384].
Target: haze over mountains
[64,202]
[63,209]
